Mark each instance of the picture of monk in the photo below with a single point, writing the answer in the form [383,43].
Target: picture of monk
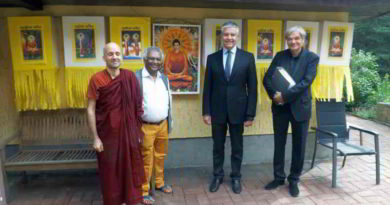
[176,65]
[264,45]
[336,44]
[85,43]
[181,47]
[131,44]
[32,44]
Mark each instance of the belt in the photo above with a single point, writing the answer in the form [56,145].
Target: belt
[153,123]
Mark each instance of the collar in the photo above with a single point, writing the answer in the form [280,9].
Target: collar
[299,55]
[233,50]
[146,74]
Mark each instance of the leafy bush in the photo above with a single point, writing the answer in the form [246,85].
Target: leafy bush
[365,79]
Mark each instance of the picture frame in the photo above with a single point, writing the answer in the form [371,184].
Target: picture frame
[336,43]
[264,39]
[31,43]
[181,47]
[132,34]
[84,39]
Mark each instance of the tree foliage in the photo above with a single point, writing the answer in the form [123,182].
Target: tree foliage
[373,35]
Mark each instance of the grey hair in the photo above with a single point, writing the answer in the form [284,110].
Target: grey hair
[230,24]
[150,49]
[298,29]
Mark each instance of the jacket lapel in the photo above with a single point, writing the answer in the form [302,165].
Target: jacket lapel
[220,67]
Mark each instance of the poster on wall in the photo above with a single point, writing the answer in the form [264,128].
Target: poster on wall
[264,44]
[264,39]
[31,43]
[132,34]
[181,47]
[31,38]
[131,43]
[311,28]
[212,36]
[84,39]
[336,43]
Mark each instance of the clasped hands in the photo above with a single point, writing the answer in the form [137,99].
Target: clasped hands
[278,98]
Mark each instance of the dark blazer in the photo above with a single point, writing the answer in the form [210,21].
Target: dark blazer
[235,98]
[299,96]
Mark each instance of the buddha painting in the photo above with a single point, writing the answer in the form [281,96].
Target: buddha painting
[335,49]
[176,66]
[31,45]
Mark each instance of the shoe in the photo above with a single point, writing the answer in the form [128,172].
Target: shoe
[274,184]
[214,186]
[236,186]
[293,189]
[147,200]
[167,189]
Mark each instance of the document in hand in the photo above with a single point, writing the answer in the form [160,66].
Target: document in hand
[281,80]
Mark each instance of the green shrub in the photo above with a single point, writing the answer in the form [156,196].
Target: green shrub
[365,79]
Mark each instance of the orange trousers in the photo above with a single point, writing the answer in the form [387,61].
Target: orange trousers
[154,150]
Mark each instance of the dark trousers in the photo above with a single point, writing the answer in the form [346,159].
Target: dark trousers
[236,141]
[281,121]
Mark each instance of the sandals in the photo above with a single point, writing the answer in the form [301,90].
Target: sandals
[165,189]
[147,200]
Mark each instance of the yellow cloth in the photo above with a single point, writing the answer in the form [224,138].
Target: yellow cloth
[154,150]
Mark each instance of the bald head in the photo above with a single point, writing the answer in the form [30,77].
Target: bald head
[109,46]
[112,55]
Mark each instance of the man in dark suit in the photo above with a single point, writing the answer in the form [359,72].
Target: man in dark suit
[229,100]
[293,106]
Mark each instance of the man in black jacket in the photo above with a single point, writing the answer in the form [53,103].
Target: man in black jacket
[229,100]
[293,106]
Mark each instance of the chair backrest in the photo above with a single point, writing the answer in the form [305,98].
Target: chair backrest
[331,117]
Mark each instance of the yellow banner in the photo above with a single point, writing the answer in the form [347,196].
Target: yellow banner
[33,63]
[31,43]
[264,39]
[133,36]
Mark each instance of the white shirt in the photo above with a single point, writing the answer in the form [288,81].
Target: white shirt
[156,101]
[232,57]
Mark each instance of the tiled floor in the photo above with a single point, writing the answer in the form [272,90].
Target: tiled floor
[356,183]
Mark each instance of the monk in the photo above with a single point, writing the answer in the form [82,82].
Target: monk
[114,117]
[176,67]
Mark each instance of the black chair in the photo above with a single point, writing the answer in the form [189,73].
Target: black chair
[332,132]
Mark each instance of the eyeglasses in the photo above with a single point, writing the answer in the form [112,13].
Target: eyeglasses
[153,59]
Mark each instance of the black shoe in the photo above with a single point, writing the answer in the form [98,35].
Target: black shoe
[293,189]
[274,184]
[236,186]
[214,186]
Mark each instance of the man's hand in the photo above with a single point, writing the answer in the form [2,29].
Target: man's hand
[207,119]
[248,123]
[278,98]
[98,145]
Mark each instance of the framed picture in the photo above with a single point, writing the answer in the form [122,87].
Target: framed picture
[264,44]
[84,39]
[31,43]
[264,39]
[133,36]
[181,47]
[336,43]
[311,28]
[212,36]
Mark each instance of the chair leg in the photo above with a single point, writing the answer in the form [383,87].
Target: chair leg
[334,164]
[344,160]
[314,155]
[378,169]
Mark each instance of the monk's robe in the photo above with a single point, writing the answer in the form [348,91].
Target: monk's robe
[118,123]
